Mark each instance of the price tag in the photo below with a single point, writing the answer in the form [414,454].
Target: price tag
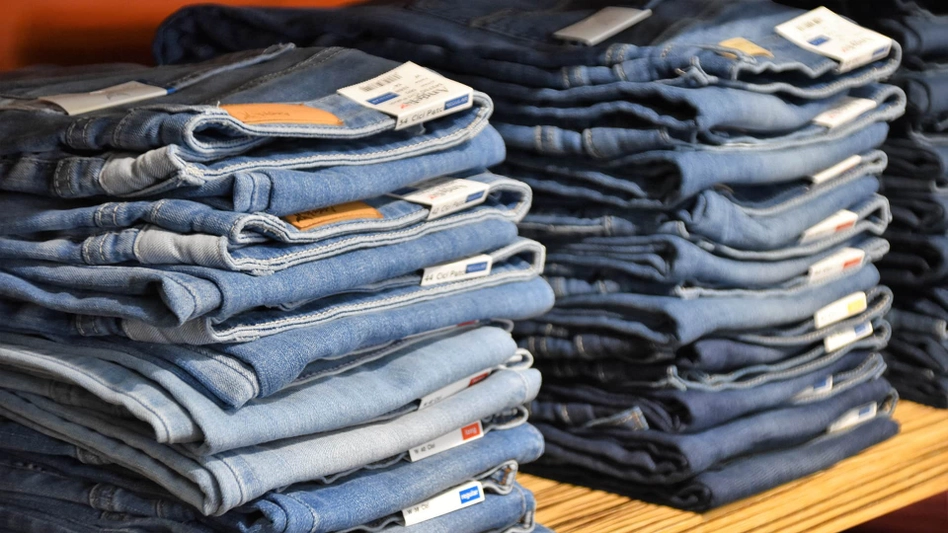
[844,259]
[847,111]
[854,417]
[459,497]
[452,389]
[841,309]
[473,267]
[846,337]
[445,196]
[126,93]
[835,223]
[836,170]
[468,433]
[828,34]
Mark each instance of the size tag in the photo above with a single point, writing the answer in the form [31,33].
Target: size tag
[844,259]
[452,389]
[126,93]
[828,34]
[836,170]
[743,45]
[838,221]
[602,24]
[281,114]
[308,220]
[448,501]
[846,337]
[412,94]
[854,417]
[445,196]
[849,110]
[468,433]
[473,267]
[841,309]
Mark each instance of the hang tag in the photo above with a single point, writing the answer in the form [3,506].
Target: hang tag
[836,170]
[452,389]
[847,111]
[281,114]
[468,433]
[602,24]
[412,94]
[846,337]
[835,223]
[743,45]
[444,196]
[125,93]
[828,34]
[473,267]
[844,259]
[448,501]
[854,417]
[308,220]
[841,309]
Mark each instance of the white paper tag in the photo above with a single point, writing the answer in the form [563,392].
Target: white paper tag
[126,93]
[473,267]
[847,111]
[846,337]
[828,34]
[468,433]
[835,223]
[836,170]
[844,259]
[444,196]
[845,307]
[412,94]
[602,24]
[854,417]
[448,501]
[452,389]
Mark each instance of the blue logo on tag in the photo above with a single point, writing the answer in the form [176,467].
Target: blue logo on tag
[862,328]
[866,411]
[382,98]
[470,494]
[880,51]
[454,102]
[476,267]
[475,196]
[818,40]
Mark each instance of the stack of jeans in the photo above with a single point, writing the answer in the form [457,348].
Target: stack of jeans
[708,193]
[234,299]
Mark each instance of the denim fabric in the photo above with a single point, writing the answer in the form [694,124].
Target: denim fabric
[916,260]
[918,384]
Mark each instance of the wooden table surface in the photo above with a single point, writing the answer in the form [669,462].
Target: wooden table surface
[903,470]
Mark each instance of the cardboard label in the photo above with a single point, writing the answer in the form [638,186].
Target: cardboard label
[459,497]
[830,35]
[308,220]
[836,170]
[846,307]
[602,24]
[473,267]
[281,114]
[468,433]
[839,221]
[743,45]
[847,111]
[445,196]
[844,259]
[412,94]
[854,417]
[846,337]
[125,93]
[452,389]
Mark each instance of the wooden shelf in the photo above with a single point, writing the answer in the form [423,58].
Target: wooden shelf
[906,469]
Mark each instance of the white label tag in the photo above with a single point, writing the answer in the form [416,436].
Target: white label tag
[854,417]
[468,433]
[842,260]
[841,309]
[126,93]
[849,110]
[828,34]
[448,501]
[445,196]
[602,24]
[412,94]
[821,387]
[846,337]
[452,389]
[473,267]
[838,221]
[836,170]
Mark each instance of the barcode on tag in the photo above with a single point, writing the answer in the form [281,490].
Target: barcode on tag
[836,170]
[842,260]
[847,111]
[846,337]
[841,309]
[459,497]
[823,32]
[468,433]
[125,93]
[452,389]
[835,223]
[854,417]
[412,94]
[473,267]
[445,196]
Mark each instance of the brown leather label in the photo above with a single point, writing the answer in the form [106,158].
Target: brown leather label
[281,114]
[308,220]
[743,45]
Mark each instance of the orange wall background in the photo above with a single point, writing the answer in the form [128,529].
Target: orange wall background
[74,32]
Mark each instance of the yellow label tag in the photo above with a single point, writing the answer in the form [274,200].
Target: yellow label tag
[328,215]
[281,114]
[743,45]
